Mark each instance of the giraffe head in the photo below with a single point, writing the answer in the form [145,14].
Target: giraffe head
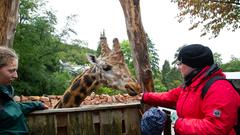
[109,69]
[112,69]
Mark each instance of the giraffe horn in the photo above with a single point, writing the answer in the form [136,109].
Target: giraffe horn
[105,50]
[118,54]
[116,45]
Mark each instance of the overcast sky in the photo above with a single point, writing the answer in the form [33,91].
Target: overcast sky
[158,18]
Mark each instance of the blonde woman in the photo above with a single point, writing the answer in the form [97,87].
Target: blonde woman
[12,120]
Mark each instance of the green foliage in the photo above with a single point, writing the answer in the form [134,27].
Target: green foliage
[158,86]
[59,82]
[212,15]
[54,84]
[233,65]
[75,54]
[109,91]
[217,58]
[171,77]
[174,78]
[40,49]
[165,71]
[125,47]
[154,58]
[26,9]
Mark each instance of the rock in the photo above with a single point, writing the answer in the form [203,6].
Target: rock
[93,99]
[23,98]
[44,99]
[34,98]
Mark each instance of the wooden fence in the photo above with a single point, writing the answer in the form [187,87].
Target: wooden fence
[120,119]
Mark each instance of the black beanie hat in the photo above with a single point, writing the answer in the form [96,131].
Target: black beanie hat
[196,56]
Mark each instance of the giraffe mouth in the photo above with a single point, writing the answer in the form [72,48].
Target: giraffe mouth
[131,90]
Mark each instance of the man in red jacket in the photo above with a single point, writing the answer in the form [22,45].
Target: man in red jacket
[216,113]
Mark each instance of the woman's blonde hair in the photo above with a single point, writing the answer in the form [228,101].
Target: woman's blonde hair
[6,54]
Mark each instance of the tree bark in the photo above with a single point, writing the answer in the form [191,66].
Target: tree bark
[8,21]
[137,38]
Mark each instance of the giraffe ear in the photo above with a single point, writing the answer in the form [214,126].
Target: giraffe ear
[92,59]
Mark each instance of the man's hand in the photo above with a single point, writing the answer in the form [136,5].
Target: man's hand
[140,96]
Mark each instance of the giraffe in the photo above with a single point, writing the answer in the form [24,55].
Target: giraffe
[109,69]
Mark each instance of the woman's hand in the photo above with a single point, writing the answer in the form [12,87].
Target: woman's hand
[45,106]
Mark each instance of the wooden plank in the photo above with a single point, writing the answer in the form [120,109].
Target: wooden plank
[117,122]
[89,123]
[106,122]
[42,125]
[132,121]
[74,124]
[95,116]
[88,108]
[96,122]
[81,124]
[61,123]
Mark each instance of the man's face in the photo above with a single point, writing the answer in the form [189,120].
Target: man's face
[184,69]
[8,73]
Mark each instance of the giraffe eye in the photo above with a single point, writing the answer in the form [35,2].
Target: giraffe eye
[107,67]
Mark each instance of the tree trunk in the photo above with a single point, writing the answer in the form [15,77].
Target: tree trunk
[8,21]
[137,38]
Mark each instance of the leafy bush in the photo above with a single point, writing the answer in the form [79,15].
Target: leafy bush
[158,86]
[60,81]
[109,91]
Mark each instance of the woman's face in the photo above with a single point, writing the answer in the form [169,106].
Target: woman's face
[185,69]
[8,73]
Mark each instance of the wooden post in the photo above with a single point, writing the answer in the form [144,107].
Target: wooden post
[8,21]
[137,38]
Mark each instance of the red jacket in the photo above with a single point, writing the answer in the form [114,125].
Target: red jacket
[215,114]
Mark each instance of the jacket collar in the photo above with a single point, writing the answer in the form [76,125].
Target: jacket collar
[189,78]
[205,74]
[7,90]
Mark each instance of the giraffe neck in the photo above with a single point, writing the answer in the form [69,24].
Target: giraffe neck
[81,87]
